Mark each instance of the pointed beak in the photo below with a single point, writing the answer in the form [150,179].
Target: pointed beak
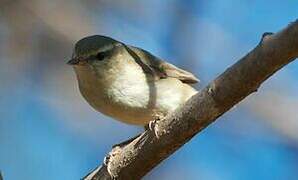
[73,61]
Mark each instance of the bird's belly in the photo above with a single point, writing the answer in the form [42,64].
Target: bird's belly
[131,102]
[139,102]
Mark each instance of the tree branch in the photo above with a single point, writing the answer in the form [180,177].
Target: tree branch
[137,158]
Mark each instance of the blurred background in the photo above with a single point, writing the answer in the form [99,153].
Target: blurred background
[48,131]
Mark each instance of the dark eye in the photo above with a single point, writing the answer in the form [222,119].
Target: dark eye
[100,56]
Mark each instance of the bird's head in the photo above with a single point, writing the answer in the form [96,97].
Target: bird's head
[93,49]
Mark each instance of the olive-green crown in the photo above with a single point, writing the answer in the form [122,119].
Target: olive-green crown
[93,44]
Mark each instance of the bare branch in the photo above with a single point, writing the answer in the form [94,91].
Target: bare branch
[137,158]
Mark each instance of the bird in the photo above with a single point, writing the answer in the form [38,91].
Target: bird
[128,83]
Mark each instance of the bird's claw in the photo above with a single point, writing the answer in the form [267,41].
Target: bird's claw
[152,124]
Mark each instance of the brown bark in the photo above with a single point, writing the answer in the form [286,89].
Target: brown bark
[137,158]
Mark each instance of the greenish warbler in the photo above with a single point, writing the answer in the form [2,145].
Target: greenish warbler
[128,83]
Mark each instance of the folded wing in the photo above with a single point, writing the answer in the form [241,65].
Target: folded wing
[158,67]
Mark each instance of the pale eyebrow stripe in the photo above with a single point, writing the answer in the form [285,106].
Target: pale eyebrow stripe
[103,49]
[109,47]
[106,48]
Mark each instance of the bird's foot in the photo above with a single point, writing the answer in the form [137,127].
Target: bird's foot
[153,125]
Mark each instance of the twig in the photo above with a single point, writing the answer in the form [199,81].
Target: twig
[137,158]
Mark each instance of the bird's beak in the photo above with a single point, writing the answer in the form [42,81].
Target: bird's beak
[73,61]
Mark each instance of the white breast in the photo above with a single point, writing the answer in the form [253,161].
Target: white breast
[137,99]
[130,88]
[131,96]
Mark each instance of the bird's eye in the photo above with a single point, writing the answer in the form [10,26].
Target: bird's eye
[100,56]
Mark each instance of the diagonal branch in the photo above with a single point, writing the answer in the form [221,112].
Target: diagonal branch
[137,158]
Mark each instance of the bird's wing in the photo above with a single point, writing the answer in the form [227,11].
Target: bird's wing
[158,67]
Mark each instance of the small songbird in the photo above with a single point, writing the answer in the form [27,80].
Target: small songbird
[128,83]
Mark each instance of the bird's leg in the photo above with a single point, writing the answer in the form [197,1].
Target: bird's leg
[153,125]
[150,126]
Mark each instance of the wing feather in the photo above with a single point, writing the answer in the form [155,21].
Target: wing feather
[158,67]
